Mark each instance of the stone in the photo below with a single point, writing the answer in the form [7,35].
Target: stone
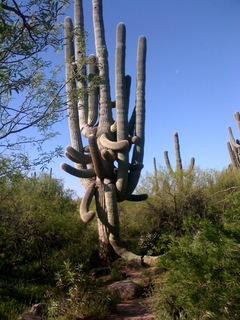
[35,313]
[126,289]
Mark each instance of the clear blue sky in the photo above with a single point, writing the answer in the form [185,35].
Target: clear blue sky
[193,75]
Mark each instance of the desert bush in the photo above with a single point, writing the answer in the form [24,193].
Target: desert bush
[79,295]
[203,269]
[40,228]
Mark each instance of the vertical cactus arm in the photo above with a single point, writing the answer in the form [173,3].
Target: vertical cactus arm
[86,214]
[138,150]
[73,119]
[121,109]
[233,156]
[93,90]
[190,167]
[105,116]
[155,172]
[111,207]
[168,164]
[132,122]
[237,118]
[177,153]
[80,63]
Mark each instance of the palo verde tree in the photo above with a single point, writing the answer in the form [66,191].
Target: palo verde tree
[30,99]
[103,165]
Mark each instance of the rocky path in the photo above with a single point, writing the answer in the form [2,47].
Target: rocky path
[136,309]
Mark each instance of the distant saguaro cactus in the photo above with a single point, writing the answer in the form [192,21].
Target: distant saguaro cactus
[234,145]
[179,174]
[103,165]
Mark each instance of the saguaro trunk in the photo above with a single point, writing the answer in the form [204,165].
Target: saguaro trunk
[103,165]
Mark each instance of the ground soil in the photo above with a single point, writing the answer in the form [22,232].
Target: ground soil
[137,309]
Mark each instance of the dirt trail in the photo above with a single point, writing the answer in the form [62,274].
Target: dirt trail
[137,309]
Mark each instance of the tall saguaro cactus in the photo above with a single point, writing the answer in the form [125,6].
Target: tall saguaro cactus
[234,145]
[103,165]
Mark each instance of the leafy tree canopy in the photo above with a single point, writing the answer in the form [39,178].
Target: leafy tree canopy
[30,95]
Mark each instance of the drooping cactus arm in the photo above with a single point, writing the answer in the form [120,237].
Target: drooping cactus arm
[138,150]
[114,145]
[86,214]
[77,157]
[80,173]
[105,116]
[96,157]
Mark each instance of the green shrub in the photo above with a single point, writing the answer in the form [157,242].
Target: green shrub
[203,270]
[79,295]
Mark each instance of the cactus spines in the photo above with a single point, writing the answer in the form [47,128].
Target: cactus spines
[103,165]
[234,145]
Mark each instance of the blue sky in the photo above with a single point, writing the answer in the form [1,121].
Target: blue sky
[193,75]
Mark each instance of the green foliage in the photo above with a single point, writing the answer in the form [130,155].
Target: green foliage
[79,294]
[203,268]
[40,229]
[30,86]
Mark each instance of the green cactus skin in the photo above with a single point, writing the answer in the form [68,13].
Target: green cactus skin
[234,145]
[179,173]
[103,165]
[86,214]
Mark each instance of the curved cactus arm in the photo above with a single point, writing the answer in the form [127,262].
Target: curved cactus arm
[96,157]
[93,90]
[138,150]
[105,117]
[86,214]
[113,145]
[128,255]
[108,155]
[80,173]
[167,162]
[76,156]
[232,140]
[121,108]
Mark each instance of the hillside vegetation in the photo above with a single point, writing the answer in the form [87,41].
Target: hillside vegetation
[48,254]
